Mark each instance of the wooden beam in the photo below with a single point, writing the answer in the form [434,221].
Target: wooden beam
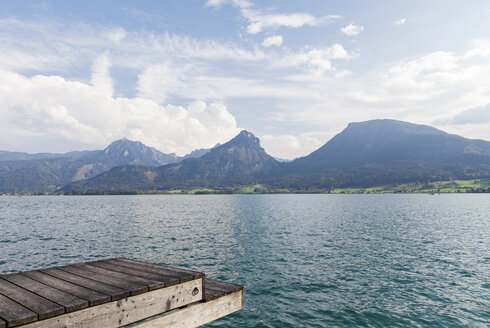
[94,298]
[115,293]
[168,281]
[128,310]
[43,307]
[197,314]
[182,276]
[151,284]
[122,283]
[14,313]
[69,302]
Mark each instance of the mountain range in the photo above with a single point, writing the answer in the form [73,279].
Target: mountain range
[381,152]
[377,152]
[46,172]
[237,162]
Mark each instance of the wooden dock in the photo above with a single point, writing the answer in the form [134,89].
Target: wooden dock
[114,293]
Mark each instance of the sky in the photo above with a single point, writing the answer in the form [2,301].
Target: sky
[181,75]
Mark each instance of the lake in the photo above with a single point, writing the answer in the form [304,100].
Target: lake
[305,260]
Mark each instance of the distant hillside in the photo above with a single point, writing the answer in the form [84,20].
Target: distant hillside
[387,152]
[48,172]
[239,161]
[127,152]
[18,156]
[36,175]
[372,153]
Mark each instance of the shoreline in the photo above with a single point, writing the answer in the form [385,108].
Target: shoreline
[241,193]
[475,186]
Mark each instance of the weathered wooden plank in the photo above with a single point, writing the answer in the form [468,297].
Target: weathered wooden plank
[152,284]
[43,307]
[93,297]
[128,310]
[3,324]
[169,280]
[182,274]
[212,294]
[153,268]
[198,314]
[217,288]
[115,293]
[69,302]
[133,288]
[222,286]
[15,314]
[195,274]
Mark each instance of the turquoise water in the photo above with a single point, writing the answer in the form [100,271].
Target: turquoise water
[305,260]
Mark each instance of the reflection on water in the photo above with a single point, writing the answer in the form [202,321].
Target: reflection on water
[306,260]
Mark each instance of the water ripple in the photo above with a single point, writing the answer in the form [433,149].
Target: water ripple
[306,260]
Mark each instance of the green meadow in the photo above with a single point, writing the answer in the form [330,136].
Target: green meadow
[450,186]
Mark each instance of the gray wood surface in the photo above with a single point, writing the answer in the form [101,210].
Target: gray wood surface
[124,284]
[93,297]
[128,310]
[216,288]
[69,302]
[15,314]
[197,314]
[103,291]
[152,284]
[168,280]
[182,275]
[114,292]
[43,307]
[195,274]
[225,287]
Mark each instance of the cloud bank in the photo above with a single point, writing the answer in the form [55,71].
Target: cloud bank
[69,92]
[51,107]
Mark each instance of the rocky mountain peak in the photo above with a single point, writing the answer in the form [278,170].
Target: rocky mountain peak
[244,138]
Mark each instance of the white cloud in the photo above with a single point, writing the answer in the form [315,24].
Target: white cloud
[409,73]
[275,40]
[101,80]
[344,73]
[289,146]
[317,60]
[476,115]
[50,107]
[117,35]
[400,21]
[480,49]
[156,82]
[238,3]
[259,21]
[60,47]
[352,29]
[311,88]
[448,90]
[215,3]
[190,48]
